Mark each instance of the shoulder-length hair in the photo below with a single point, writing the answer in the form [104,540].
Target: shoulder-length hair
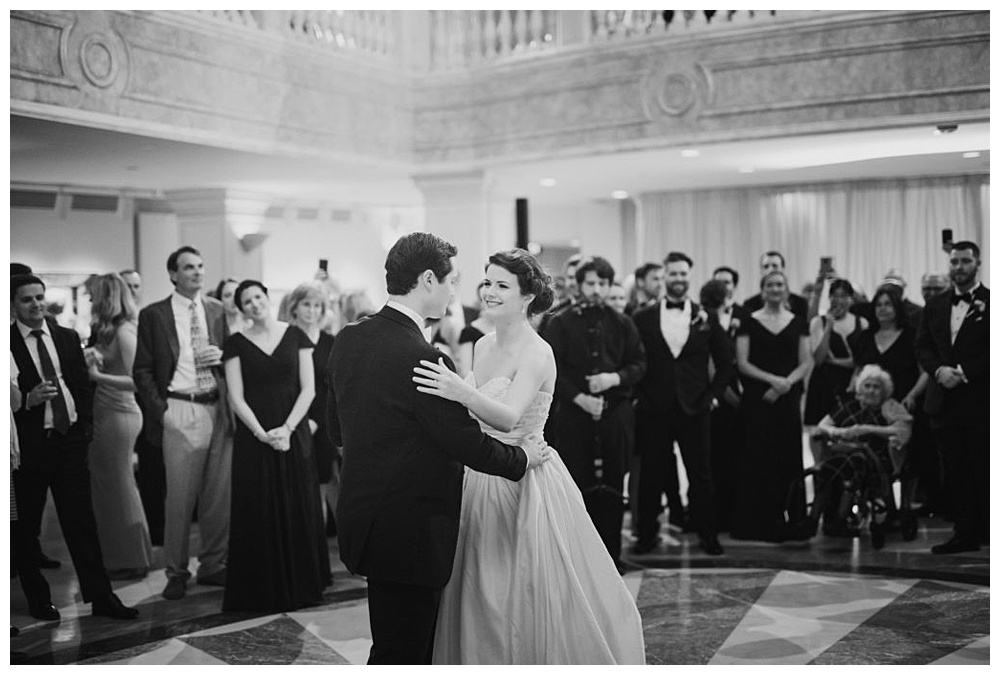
[112,305]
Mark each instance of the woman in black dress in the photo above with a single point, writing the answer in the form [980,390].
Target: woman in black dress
[889,344]
[772,353]
[833,362]
[274,557]
[306,308]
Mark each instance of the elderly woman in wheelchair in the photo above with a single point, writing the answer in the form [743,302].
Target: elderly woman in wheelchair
[863,441]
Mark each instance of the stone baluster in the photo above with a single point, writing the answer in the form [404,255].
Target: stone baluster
[536,29]
[598,27]
[476,36]
[658,23]
[490,35]
[520,30]
[505,30]
[456,39]
[695,19]
[383,32]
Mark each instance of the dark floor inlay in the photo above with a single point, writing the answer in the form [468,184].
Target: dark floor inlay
[687,617]
[280,641]
[925,623]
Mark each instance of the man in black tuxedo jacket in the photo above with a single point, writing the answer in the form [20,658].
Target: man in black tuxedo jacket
[953,346]
[54,428]
[770,261]
[727,420]
[674,402]
[401,478]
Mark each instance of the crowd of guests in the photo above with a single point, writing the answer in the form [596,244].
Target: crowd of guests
[224,400]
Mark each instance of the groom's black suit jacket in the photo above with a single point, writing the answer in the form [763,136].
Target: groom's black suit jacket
[401,479]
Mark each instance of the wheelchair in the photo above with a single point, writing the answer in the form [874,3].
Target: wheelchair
[853,488]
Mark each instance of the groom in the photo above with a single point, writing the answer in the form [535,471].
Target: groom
[401,479]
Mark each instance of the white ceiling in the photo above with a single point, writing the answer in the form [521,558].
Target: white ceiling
[54,154]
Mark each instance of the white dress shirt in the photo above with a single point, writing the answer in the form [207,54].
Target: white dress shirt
[958,312]
[32,344]
[426,331]
[675,324]
[186,377]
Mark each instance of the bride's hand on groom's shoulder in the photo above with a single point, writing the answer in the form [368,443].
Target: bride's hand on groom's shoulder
[438,379]
[537,449]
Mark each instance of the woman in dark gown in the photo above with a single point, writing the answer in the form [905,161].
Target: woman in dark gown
[832,358]
[889,344]
[274,557]
[306,310]
[772,353]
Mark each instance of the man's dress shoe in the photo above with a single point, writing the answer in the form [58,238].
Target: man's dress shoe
[113,608]
[955,545]
[175,589]
[45,611]
[711,545]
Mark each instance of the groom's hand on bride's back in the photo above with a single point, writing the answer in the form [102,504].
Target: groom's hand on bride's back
[537,449]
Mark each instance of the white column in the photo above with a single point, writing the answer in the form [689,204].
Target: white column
[226,226]
[457,209]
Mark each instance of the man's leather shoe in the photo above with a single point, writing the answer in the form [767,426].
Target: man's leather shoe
[710,545]
[112,607]
[216,579]
[175,589]
[45,611]
[679,520]
[955,545]
[47,563]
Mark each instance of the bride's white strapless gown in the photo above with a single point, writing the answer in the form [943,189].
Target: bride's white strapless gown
[532,582]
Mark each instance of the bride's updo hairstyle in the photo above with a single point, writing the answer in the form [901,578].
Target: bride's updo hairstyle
[531,277]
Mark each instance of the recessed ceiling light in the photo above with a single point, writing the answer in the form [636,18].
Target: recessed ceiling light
[690,152]
[547,182]
[970,155]
[619,194]
[747,169]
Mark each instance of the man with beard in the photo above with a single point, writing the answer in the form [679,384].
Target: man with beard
[675,399]
[648,286]
[953,346]
[599,358]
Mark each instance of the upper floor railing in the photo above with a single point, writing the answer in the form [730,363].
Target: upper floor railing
[445,40]
[370,32]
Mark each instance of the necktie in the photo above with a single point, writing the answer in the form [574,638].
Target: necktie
[675,305]
[204,375]
[964,297]
[60,415]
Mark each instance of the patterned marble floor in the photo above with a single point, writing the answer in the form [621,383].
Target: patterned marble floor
[831,601]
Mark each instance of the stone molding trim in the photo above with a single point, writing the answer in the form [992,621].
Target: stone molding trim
[101,58]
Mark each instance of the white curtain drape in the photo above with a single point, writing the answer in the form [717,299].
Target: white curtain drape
[868,227]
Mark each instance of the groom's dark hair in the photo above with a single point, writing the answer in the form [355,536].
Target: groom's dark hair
[411,255]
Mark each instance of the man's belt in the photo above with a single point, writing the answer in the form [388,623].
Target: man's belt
[196,397]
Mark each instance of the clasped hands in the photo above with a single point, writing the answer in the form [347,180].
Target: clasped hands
[949,377]
[779,387]
[537,449]
[278,438]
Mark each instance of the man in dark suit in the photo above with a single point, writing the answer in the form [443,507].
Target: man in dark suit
[180,387]
[674,402]
[599,359]
[401,478]
[770,261]
[727,422]
[54,428]
[953,347]
[648,286]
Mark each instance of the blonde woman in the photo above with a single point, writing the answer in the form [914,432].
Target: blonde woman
[121,522]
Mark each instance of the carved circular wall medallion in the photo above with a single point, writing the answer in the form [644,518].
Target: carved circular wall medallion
[677,94]
[98,60]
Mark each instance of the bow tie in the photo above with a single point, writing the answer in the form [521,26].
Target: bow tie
[963,297]
[675,305]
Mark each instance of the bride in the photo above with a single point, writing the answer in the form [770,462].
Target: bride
[532,583]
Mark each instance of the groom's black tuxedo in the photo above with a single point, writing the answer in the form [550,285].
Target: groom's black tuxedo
[401,479]
[673,404]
